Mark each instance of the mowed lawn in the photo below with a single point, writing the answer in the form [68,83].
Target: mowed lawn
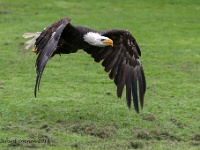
[77,106]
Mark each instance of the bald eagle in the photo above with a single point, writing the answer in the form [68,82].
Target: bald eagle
[116,49]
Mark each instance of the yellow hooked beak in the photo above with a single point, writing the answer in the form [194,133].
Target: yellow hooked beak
[108,42]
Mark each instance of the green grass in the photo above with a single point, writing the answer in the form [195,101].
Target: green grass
[77,107]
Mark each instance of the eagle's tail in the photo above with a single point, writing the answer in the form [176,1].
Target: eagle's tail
[32,41]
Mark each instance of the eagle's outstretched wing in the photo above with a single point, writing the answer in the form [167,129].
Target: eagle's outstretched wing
[46,45]
[123,64]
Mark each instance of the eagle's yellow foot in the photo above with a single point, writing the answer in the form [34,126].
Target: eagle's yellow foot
[34,50]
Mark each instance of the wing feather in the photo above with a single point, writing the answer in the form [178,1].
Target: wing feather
[128,87]
[142,83]
[113,71]
[104,53]
[121,79]
[134,88]
[109,65]
[109,58]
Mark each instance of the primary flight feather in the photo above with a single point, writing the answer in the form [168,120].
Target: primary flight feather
[116,49]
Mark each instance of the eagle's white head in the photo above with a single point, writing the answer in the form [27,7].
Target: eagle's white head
[96,39]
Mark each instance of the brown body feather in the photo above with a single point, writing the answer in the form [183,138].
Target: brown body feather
[121,60]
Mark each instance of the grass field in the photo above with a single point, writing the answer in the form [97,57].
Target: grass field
[77,106]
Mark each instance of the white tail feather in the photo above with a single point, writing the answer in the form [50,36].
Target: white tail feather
[32,41]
